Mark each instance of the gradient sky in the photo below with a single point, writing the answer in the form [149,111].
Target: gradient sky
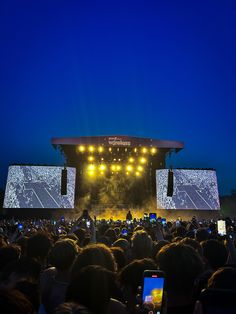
[161,69]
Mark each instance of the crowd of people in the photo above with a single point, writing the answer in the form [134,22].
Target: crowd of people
[91,266]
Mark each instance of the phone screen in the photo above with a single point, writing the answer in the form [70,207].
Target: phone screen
[163,221]
[221,227]
[124,232]
[152,217]
[153,287]
[20,226]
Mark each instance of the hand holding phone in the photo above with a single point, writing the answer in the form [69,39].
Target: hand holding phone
[153,289]
[221,227]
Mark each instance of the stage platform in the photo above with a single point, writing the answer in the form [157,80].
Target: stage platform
[111,213]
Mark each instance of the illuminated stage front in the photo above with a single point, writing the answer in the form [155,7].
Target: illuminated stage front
[115,170]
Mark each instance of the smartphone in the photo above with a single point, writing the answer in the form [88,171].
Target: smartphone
[153,289]
[152,217]
[20,226]
[124,232]
[221,227]
[145,216]
[177,223]
[88,224]
[163,221]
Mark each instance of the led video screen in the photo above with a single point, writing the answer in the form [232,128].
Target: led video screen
[38,187]
[192,189]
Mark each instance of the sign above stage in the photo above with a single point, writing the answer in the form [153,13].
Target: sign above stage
[118,141]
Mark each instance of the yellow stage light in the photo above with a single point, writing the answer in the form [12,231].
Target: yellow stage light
[144,150]
[118,168]
[135,150]
[91,173]
[127,173]
[140,168]
[90,158]
[100,149]
[110,149]
[113,167]
[153,150]
[129,168]
[91,167]
[131,159]
[143,160]
[102,167]
[91,149]
[81,148]
[137,174]
[102,173]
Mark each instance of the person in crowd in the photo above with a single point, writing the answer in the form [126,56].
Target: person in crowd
[9,254]
[129,216]
[215,254]
[92,287]
[119,257]
[14,302]
[94,254]
[223,278]
[141,245]
[131,278]
[182,265]
[54,280]
[38,246]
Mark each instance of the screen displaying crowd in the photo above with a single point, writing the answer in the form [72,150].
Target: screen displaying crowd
[96,266]
[38,187]
[192,189]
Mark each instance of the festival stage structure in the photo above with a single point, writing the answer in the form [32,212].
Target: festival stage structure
[115,169]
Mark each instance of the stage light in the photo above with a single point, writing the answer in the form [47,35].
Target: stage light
[110,149]
[90,158]
[91,173]
[144,150]
[137,174]
[135,150]
[102,167]
[102,158]
[143,160]
[100,149]
[114,159]
[127,173]
[140,168]
[129,168]
[118,168]
[102,173]
[91,167]
[131,159]
[91,149]
[153,150]
[113,167]
[81,148]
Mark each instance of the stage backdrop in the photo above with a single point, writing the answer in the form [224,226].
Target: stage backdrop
[38,187]
[192,189]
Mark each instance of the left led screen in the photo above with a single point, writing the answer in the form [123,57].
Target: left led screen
[38,187]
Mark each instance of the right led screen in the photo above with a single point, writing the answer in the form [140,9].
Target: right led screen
[192,189]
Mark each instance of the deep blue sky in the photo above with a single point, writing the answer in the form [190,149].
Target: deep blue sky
[162,69]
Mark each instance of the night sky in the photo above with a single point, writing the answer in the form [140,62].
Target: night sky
[160,69]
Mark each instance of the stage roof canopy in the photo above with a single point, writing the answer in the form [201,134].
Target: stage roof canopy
[117,141]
